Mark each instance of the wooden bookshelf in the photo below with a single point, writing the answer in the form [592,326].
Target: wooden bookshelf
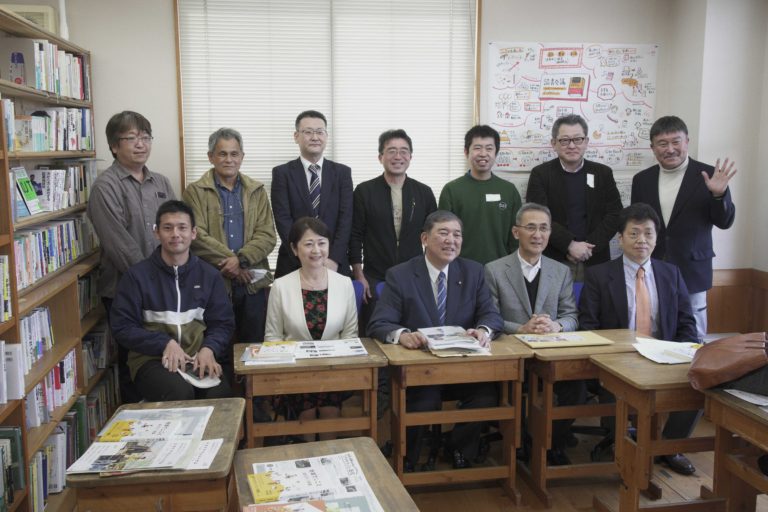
[91,319]
[34,220]
[57,291]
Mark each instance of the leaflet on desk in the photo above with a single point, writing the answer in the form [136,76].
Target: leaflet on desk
[286,352]
[666,352]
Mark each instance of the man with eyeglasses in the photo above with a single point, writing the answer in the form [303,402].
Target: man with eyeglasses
[691,198]
[122,206]
[389,212]
[235,231]
[535,296]
[582,196]
[312,186]
[485,203]
[646,295]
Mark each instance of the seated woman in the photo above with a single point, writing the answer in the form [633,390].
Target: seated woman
[311,303]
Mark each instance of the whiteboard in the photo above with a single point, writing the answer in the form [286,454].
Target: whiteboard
[612,86]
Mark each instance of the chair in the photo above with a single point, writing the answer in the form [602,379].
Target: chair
[359,290]
[577,286]
[380,288]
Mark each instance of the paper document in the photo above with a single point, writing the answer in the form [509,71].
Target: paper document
[286,352]
[205,453]
[563,339]
[450,337]
[337,479]
[752,398]
[666,352]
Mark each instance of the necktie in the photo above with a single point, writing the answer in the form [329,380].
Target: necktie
[314,189]
[642,305]
[442,294]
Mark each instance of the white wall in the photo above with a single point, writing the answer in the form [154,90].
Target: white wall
[133,53]
[712,73]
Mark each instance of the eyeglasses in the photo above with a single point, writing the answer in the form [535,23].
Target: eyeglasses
[404,152]
[648,235]
[565,142]
[133,140]
[532,228]
[320,132]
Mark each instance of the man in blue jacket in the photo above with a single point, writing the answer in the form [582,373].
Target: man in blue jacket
[171,310]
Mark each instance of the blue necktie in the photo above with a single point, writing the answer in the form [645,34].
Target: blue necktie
[314,189]
[442,294]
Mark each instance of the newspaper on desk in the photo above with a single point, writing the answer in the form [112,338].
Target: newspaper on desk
[150,439]
[666,352]
[286,352]
[452,340]
[753,398]
[336,479]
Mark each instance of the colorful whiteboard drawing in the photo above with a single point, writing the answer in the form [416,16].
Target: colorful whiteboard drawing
[612,86]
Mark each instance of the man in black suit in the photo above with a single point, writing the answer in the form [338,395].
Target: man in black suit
[389,212]
[644,294]
[690,197]
[581,195]
[312,186]
[435,289]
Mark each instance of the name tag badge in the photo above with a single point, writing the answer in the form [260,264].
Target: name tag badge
[591,180]
[492,198]
[161,195]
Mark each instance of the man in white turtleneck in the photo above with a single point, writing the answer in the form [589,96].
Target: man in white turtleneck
[690,197]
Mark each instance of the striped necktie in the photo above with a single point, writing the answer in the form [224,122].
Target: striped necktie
[314,189]
[442,294]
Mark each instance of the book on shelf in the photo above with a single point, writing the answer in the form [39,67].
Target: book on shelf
[27,190]
[53,391]
[9,121]
[46,247]
[36,335]
[146,439]
[39,64]
[13,434]
[5,288]
[14,370]
[3,377]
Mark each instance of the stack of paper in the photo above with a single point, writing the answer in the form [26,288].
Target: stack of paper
[286,352]
[270,352]
[666,352]
[453,339]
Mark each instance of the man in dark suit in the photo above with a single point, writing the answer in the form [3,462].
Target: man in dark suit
[312,186]
[644,294]
[690,197]
[581,195]
[436,289]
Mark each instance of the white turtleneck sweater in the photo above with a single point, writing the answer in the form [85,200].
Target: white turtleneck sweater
[669,185]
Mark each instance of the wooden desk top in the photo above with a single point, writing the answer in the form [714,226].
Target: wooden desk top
[224,423]
[387,488]
[504,347]
[375,358]
[622,342]
[751,410]
[642,373]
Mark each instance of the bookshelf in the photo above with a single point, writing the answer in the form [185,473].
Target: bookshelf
[58,290]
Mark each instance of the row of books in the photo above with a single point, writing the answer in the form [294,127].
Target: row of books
[5,288]
[35,336]
[12,457]
[49,246]
[58,386]
[99,348]
[101,402]
[48,468]
[46,190]
[88,293]
[51,129]
[39,64]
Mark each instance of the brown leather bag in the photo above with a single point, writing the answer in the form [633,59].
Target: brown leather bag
[727,359]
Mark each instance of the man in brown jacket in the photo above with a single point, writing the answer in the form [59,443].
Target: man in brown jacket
[235,231]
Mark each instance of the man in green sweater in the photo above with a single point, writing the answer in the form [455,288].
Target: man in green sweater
[485,203]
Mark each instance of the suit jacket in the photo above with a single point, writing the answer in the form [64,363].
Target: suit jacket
[290,201]
[686,240]
[603,203]
[603,301]
[373,241]
[408,301]
[554,296]
[285,312]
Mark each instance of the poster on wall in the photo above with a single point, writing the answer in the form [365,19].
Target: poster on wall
[612,86]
